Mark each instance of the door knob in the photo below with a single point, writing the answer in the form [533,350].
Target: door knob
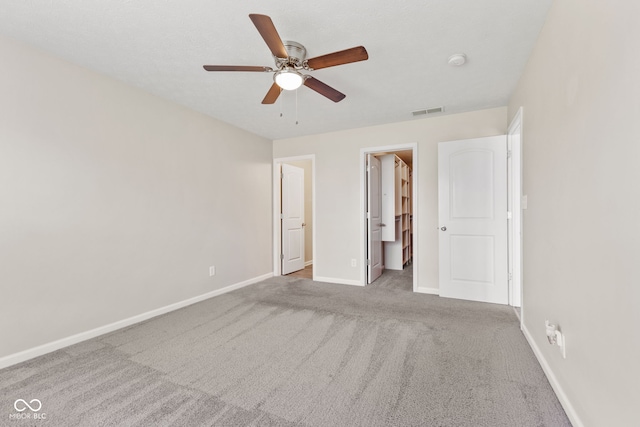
[383,225]
[443,228]
[304,224]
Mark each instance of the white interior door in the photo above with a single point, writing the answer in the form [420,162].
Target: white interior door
[472,212]
[374,219]
[292,218]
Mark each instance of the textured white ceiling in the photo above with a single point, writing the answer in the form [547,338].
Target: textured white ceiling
[160,46]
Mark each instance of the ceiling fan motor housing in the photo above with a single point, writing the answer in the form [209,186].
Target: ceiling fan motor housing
[297,54]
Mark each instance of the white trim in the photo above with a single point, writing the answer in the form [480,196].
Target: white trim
[431,291]
[415,183]
[517,119]
[415,201]
[516,285]
[308,263]
[277,267]
[40,350]
[555,384]
[337,281]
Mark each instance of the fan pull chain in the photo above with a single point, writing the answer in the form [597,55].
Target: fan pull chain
[296,106]
[280,102]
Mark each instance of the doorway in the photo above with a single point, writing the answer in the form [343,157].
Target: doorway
[307,216]
[396,225]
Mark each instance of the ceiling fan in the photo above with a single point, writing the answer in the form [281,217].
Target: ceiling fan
[290,61]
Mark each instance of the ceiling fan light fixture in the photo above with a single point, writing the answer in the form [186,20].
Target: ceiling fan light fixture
[288,79]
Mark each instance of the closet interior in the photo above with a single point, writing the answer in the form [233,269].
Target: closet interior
[396,204]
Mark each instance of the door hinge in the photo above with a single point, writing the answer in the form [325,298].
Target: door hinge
[368,262]
[509,215]
[510,277]
[281,216]
[368,215]
[281,175]
[508,154]
[281,256]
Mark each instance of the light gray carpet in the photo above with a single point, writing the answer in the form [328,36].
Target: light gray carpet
[290,351]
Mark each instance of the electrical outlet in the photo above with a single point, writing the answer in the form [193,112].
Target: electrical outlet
[354,262]
[212,270]
[556,337]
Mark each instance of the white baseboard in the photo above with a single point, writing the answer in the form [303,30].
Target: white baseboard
[308,263]
[40,350]
[432,291]
[337,281]
[557,388]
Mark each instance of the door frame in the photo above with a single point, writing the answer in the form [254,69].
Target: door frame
[514,145]
[415,184]
[277,198]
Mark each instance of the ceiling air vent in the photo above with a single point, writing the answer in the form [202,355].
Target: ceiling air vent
[428,111]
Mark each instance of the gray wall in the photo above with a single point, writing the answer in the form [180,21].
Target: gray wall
[115,202]
[580,93]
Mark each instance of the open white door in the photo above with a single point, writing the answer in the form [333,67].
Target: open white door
[292,219]
[374,219]
[472,212]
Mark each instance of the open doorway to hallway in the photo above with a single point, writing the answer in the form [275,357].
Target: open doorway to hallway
[294,214]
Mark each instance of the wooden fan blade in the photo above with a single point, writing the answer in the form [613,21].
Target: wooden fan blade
[268,31]
[236,68]
[324,89]
[346,56]
[272,95]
